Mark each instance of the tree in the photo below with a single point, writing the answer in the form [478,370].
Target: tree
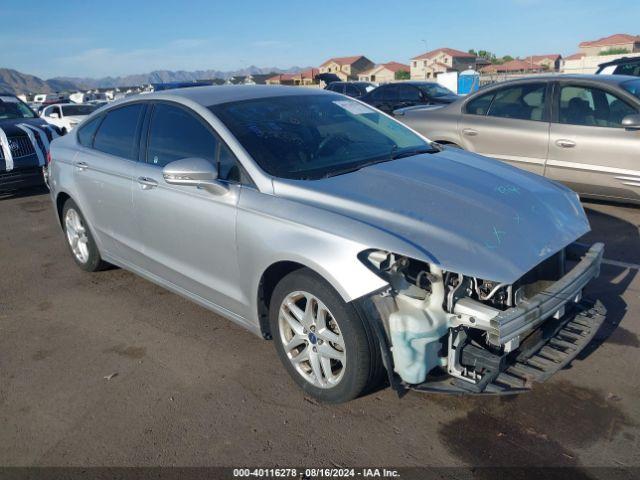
[402,75]
[614,51]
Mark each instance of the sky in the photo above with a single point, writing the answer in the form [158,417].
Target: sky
[82,38]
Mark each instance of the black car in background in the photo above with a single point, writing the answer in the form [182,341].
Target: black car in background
[24,144]
[621,66]
[352,89]
[392,96]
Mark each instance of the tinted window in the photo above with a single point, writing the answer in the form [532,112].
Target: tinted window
[435,90]
[407,93]
[71,110]
[591,107]
[480,105]
[117,132]
[12,107]
[633,87]
[352,90]
[175,134]
[629,69]
[524,102]
[390,93]
[312,136]
[88,131]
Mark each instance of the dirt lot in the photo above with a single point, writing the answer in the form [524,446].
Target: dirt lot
[193,389]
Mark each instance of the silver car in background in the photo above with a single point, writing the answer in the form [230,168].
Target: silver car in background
[364,250]
[581,130]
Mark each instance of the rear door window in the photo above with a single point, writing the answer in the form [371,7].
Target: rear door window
[118,132]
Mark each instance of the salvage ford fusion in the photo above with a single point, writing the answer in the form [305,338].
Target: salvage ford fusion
[365,251]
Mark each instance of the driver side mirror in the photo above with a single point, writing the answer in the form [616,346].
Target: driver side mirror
[54,115]
[631,122]
[196,172]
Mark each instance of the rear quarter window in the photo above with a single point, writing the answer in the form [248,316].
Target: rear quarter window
[88,131]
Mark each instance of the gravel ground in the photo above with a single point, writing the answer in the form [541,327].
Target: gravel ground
[108,369]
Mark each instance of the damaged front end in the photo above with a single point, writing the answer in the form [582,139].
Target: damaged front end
[443,331]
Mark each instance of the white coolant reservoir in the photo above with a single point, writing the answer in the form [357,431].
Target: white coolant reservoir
[416,329]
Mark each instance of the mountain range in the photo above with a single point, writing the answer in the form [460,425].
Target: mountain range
[16,82]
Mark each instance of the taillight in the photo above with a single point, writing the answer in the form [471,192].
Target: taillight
[49,157]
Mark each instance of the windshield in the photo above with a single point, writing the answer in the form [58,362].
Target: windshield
[633,87]
[71,110]
[12,107]
[435,90]
[314,136]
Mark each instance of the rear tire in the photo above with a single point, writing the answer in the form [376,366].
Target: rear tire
[326,347]
[80,241]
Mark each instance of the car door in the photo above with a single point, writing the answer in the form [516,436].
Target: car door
[510,124]
[103,170]
[589,149]
[187,234]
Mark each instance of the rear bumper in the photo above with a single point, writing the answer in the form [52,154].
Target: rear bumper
[21,178]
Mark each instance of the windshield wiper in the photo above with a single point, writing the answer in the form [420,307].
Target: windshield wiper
[355,168]
[411,151]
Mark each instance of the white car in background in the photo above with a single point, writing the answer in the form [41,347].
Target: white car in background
[66,115]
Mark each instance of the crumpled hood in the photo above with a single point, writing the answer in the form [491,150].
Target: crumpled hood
[464,212]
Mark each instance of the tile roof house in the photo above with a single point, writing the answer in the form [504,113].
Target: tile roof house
[631,43]
[347,68]
[384,72]
[550,62]
[513,66]
[430,64]
[305,77]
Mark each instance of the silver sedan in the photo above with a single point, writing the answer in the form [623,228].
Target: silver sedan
[362,249]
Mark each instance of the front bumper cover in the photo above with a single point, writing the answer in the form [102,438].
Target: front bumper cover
[550,341]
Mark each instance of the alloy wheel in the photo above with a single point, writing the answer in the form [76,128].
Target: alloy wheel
[312,339]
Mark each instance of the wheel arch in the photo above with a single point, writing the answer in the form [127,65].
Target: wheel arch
[61,198]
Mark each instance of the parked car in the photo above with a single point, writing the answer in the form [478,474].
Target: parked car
[621,66]
[581,130]
[24,144]
[66,115]
[392,96]
[360,247]
[352,89]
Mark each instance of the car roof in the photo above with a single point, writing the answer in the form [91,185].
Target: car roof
[215,95]
[610,79]
[619,61]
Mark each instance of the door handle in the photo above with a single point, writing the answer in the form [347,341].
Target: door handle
[147,183]
[564,143]
[469,132]
[81,166]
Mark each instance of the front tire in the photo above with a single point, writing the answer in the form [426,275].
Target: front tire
[321,340]
[81,243]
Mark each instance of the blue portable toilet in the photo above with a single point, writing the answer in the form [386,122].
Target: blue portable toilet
[468,82]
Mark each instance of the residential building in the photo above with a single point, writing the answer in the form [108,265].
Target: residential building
[550,62]
[594,52]
[430,64]
[618,41]
[384,73]
[304,78]
[513,67]
[347,68]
